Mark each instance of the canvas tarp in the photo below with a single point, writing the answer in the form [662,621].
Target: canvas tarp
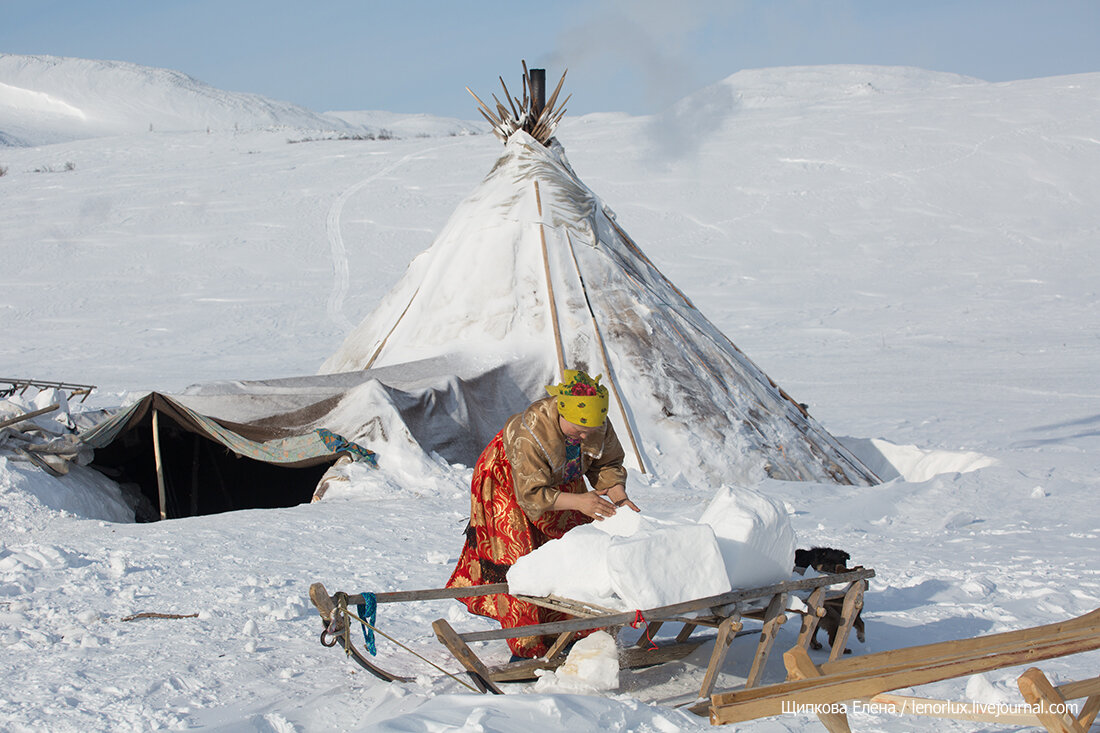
[450,409]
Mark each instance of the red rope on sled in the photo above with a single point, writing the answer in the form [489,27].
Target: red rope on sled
[639,618]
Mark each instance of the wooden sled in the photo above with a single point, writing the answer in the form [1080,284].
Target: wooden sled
[724,612]
[827,688]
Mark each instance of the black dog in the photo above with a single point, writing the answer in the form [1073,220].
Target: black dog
[829,560]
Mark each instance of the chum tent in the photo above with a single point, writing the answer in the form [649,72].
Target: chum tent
[534,271]
[531,275]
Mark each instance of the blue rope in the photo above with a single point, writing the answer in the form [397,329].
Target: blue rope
[368,611]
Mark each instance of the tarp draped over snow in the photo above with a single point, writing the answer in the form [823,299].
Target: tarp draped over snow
[421,409]
[452,409]
[256,441]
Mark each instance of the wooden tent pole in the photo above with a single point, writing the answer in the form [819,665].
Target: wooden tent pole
[195,477]
[162,495]
[28,415]
[386,338]
[550,288]
[606,362]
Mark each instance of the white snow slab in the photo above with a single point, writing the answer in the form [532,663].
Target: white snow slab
[754,535]
[744,539]
[574,566]
[667,565]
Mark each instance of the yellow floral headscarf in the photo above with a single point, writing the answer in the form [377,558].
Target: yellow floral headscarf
[582,400]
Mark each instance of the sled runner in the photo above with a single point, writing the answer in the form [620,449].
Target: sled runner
[726,613]
[825,689]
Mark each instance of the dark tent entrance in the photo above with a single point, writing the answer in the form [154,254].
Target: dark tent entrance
[178,463]
[200,476]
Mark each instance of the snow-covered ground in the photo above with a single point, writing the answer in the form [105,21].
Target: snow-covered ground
[912,254]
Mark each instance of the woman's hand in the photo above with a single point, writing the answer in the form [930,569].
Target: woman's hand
[617,495]
[590,504]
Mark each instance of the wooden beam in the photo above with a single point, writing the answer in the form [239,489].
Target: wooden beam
[816,605]
[433,594]
[161,492]
[649,633]
[774,617]
[606,362]
[558,647]
[559,350]
[473,664]
[28,415]
[727,631]
[959,648]
[666,613]
[853,604]
[804,669]
[1049,704]
[322,600]
[685,632]
[769,700]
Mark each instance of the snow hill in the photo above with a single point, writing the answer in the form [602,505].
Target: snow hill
[48,99]
[912,254]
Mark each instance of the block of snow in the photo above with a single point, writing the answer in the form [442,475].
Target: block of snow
[592,666]
[623,523]
[754,535]
[630,561]
[574,566]
[668,564]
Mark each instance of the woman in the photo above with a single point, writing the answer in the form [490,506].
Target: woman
[528,488]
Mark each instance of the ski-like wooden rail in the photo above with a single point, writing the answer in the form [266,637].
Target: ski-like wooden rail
[825,688]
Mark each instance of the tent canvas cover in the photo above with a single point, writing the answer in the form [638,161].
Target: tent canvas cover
[531,275]
[533,270]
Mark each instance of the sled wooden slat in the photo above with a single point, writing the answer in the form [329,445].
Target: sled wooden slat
[726,634]
[558,647]
[1050,701]
[433,594]
[872,676]
[465,655]
[666,613]
[568,606]
[945,650]
[853,604]
[773,619]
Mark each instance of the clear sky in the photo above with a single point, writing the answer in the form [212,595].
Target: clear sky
[417,56]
